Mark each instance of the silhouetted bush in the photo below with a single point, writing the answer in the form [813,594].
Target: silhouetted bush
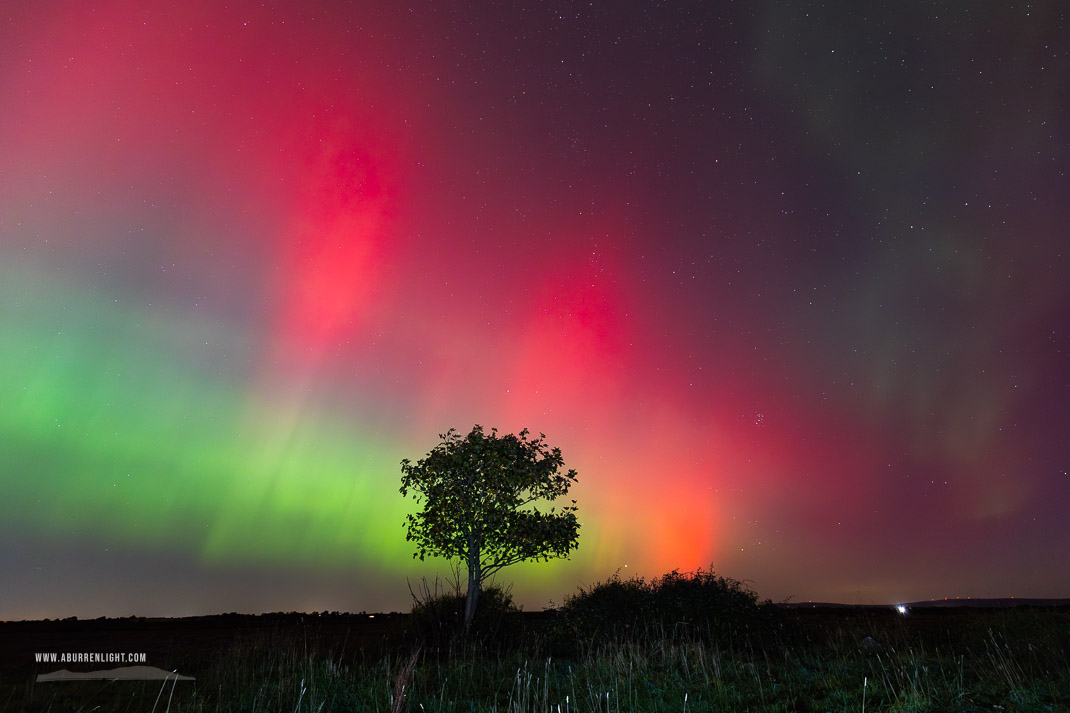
[609,606]
[676,605]
[703,598]
[437,618]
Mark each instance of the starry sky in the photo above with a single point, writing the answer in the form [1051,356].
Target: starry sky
[785,281]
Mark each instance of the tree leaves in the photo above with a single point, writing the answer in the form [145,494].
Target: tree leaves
[481,495]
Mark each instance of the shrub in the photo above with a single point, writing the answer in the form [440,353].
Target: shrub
[437,618]
[702,599]
[608,607]
[697,604]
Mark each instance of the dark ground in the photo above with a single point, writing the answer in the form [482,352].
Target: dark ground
[258,660]
[187,645]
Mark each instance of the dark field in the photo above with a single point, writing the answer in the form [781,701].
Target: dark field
[938,659]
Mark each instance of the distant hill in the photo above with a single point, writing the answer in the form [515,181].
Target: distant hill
[980,603]
[990,603]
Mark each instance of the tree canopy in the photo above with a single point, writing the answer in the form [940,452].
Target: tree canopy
[487,500]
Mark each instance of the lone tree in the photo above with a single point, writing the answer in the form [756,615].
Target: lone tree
[481,498]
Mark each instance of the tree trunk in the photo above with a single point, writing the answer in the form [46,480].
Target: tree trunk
[474,583]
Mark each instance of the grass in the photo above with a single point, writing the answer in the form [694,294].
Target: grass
[786,660]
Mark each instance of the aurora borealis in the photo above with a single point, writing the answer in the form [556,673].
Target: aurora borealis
[785,281]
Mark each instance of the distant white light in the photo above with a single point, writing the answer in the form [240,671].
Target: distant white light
[901,608]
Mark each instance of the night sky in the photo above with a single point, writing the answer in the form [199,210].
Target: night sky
[787,282]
